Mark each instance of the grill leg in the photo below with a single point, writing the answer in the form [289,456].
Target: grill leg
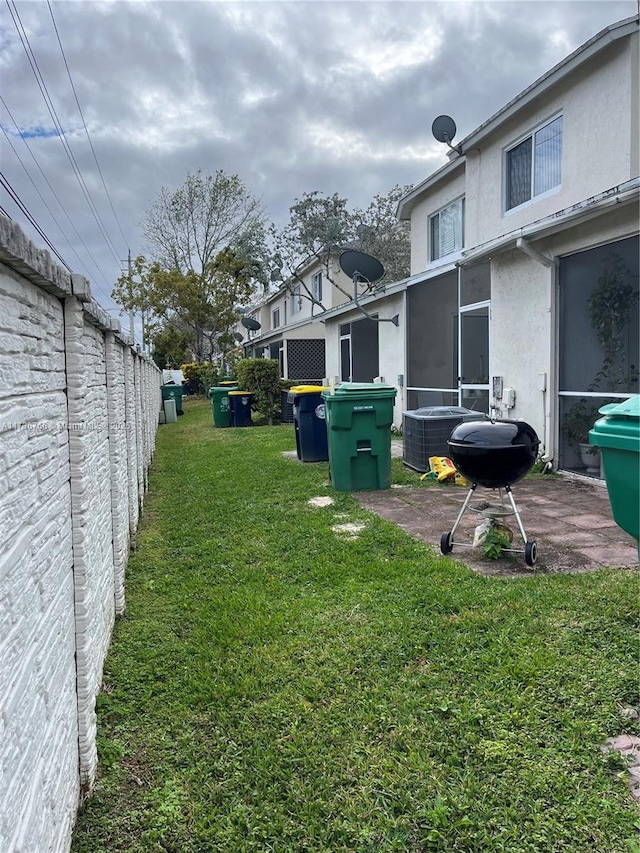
[517,514]
[463,510]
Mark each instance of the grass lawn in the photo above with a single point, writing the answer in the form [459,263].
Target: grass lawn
[277,686]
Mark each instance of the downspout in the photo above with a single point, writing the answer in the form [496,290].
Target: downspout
[550,263]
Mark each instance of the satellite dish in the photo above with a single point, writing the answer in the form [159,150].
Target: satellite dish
[444,129]
[238,337]
[250,323]
[360,266]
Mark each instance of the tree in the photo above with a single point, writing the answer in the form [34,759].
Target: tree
[208,254]
[382,235]
[320,227]
[202,304]
[170,346]
[187,227]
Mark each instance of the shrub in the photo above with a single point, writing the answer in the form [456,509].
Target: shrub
[199,376]
[261,376]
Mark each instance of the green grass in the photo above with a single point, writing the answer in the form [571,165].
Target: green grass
[274,686]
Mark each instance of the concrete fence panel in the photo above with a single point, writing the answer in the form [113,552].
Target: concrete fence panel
[78,421]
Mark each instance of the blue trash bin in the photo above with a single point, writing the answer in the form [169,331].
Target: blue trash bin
[309,423]
[240,408]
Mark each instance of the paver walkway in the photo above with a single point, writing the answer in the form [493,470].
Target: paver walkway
[570,520]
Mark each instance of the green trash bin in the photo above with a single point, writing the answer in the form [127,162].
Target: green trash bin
[617,435]
[221,405]
[359,416]
[173,392]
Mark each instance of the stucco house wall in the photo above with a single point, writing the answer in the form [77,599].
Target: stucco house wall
[595,102]
[451,188]
[391,343]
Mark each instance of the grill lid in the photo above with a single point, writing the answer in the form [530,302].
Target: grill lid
[494,434]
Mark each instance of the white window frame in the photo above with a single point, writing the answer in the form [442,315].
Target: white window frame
[433,257]
[296,300]
[275,318]
[505,167]
[316,286]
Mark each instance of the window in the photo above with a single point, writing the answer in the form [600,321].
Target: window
[275,318]
[533,166]
[296,300]
[316,286]
[447,230]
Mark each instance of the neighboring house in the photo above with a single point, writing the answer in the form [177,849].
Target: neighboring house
[513,236]
[515,245]
[290,330]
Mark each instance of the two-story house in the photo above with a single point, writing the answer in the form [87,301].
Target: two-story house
[291,327]
[519,244]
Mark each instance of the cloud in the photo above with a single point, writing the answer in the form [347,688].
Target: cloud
[292,96]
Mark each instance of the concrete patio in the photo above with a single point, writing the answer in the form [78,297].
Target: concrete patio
[569,518]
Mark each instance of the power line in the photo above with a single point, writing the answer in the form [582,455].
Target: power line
[54,117]
[42,197]
[53,192]
[84,124]
[16,199]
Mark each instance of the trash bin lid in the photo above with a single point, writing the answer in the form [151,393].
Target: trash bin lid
[240,393]
[620,426]
[364,388]
[307,389]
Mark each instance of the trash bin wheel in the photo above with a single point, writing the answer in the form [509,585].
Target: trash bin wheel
[446,545]
[530,553]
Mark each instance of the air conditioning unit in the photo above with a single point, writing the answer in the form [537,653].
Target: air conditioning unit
[425,432]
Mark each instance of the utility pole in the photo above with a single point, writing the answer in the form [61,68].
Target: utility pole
[131,314]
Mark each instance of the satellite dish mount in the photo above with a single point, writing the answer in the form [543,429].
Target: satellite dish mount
[364,269]
[444,130]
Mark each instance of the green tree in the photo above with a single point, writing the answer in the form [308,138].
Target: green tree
[208,253]
[320,227]
[381,234]
[202,304]
[186,228]
[170,346]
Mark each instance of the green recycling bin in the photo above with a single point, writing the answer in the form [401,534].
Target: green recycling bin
[617,434]
[359,416]
[173,392]
[220,405]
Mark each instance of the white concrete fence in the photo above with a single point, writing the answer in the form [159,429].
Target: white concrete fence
[78,418]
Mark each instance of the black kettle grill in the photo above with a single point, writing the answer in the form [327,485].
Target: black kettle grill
[493,454]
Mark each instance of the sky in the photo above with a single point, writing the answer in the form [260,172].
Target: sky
[291,96]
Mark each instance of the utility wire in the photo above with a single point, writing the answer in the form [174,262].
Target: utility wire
[4,212]
[16,199]
[54,117]
[43,199]
[55,195]
[84,124]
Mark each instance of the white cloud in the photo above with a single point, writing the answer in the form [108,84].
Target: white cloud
[292,96]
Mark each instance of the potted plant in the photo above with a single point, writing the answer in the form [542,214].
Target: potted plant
[576,425]
[611,306]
